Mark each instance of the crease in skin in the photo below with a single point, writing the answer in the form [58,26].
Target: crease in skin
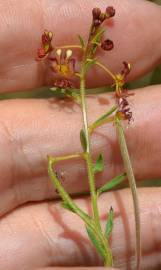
[34,181]
[63,250]
[36,17]
[76,237]
[47,240]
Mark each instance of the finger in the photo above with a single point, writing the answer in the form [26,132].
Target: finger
[79,268]
[32,129]
[45,234]
[135,31]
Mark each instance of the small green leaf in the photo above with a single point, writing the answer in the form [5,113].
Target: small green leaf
[89,64]
[114,182]
[95,241]
[96,40]
[99,166]
[67,206]
[109,224]
[82,42]
[83,140]
[98,36]
[106,115]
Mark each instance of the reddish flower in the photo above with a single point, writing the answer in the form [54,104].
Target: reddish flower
[46,47]
[126,70]
[63,63]
[120,78]
[63,83]
[124,108]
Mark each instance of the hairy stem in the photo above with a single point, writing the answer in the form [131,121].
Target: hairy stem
[132,183]
[74,208]
[108,260]
[88,151]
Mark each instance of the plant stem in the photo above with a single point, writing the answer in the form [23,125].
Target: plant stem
[64,195]
[69,47]
[57,159]
[106,70]
[101,123]
[88,152]
[73,207]
[132,183]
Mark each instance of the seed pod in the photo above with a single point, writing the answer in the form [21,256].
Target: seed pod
[107,45]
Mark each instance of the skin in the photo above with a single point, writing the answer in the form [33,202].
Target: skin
[35,231]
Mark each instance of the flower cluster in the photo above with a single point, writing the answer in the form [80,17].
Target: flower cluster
[124,109]
[64,66]
[122,94]
[99,17]
[120,78]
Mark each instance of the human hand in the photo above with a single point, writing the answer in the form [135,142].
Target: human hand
[34,231]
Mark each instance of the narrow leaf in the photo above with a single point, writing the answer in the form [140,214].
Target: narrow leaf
[89,64]
[95,241]
[106,115]
[98,36]
[99,166]
[96,40]
[113,183]
[82,42]
[109,224]
[83,140]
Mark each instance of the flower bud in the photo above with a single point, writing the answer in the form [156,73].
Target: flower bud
[110,12]
[97,23]
[126,70]
[107,45]
[96,13]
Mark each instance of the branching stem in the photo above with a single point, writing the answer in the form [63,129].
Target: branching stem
[105,69]
[88,151]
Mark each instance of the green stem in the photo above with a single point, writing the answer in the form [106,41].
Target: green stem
[104,119]
[106,70]
[101,123]
[88,152]
[88,221]
[69,47]
[57,159]
[132,183]
[64,195]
